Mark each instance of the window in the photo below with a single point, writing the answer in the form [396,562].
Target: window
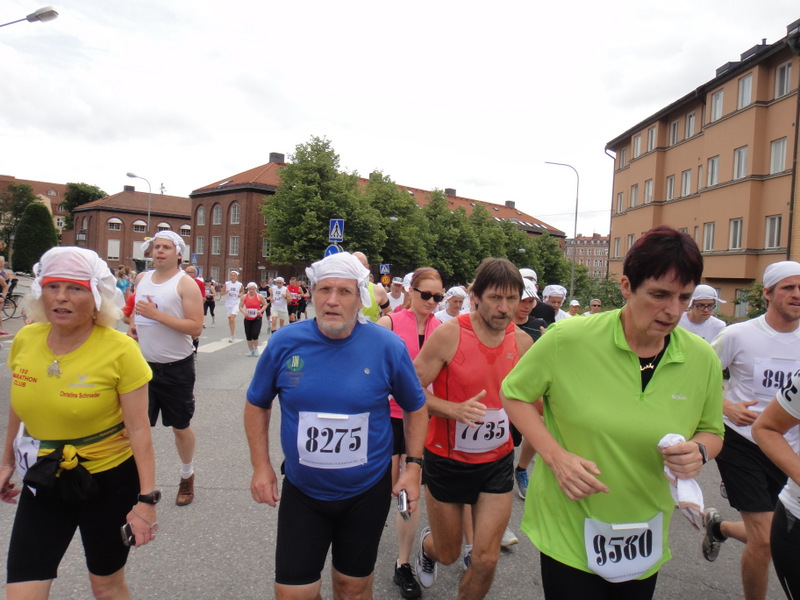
[114,224]
[620,202]
[745,91]
[265,248]
[651,139]
[164,226]
[696,233]
[233,245]
[139,226]
[113,250]
[623,157]
[186,231]
[773,237]
[236,213]
[689,125]
[740,162]
[648,191]
[708,237]
[716,106]
[634,194]
[699,176]
[59,222]
[777,156]
[670,187]
[637,146]
[673,133]
[201,216]
[214,273]
[740,308]
[735,234]
[686,183]
[215,244]
[200,244]
[783,79]
[216,215]
[616,247]
[630,240]
[713,171]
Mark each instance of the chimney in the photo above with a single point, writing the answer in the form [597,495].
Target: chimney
[510,204]
[129,188]
[449,191]
[276,157]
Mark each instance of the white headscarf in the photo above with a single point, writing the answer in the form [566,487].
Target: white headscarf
[455,292]
[167,235]
[345,266]
[554,290]
[780,270]
[706,292]
[81,264]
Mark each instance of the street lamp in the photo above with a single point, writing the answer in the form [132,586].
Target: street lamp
[575,230]
[149,198]
[48,13]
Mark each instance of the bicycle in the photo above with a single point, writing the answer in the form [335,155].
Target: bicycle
[12,301]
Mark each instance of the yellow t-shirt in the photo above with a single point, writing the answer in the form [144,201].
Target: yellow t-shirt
[84,400]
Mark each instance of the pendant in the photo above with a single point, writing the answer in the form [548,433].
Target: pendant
[646,367]
[54,369]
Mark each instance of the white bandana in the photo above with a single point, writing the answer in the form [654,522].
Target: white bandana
[167,235]
[558,291]
[81,264]
[345,266]
[780,270]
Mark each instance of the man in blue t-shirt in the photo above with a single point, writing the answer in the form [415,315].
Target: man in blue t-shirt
[333,376]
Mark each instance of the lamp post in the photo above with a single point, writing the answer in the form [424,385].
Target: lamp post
[149,198]
[48,13]
[575,228]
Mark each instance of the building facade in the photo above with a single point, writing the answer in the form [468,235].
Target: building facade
[719,164]
[589,251]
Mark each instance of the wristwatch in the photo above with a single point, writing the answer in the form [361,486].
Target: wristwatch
[151,498]
[413,459]
[703,452]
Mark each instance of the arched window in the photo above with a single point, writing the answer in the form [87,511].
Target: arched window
[216,215]
[163,226]
[139,226]
[114,224]
[236,213]
[186,231]
[201,216]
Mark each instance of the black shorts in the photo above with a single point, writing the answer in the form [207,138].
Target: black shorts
[399,445]
[784,541]
[308,527]
[562,582]
[171,392]
[293,309]
[45,525]
[252,329]
[752,480]
[457,482]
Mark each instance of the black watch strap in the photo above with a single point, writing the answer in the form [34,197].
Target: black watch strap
[151,498]
[703,452]
[414,459]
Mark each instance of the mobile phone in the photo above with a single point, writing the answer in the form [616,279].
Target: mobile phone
[127,535]
[402,505]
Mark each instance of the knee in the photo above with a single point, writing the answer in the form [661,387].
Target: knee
[446,553]
[109,588]
[484,563]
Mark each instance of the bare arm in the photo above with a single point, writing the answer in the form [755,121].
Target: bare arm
[415,427]
[768,431]
[381,297]
[8,492]
[192,321]
[264,483]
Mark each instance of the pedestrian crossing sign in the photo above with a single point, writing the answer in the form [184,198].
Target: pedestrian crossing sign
[336,231]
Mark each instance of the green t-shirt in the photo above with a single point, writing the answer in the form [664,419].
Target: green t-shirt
[594,406]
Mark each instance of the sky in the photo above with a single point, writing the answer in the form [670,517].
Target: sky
[435,94]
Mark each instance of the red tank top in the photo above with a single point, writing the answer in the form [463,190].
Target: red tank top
[474,367]
[252,303]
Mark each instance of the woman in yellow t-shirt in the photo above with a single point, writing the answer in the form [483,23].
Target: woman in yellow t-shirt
[80,388]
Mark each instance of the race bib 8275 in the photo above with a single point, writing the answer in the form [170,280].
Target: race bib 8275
[332,441]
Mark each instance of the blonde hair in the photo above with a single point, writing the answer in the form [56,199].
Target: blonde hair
[107,316]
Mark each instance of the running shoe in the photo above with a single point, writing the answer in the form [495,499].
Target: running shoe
[711,544]
[426,567]
[509,539]
[255,351]
[230,340]
[404,579]
[521,475]
[467,559]
[722,490]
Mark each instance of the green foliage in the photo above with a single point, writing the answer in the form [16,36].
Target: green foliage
[754,297]
[456,248]
[35,235]
[549,261]
[606,290]
[76,195]
[13,203]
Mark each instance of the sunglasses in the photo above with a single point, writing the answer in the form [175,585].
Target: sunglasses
[427,295]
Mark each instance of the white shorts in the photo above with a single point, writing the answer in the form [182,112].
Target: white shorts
[281,315]
[232,309]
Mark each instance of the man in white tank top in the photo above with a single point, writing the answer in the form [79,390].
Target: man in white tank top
[168,314]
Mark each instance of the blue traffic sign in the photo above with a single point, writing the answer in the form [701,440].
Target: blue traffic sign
[385,269]
[336,231]
[332,249]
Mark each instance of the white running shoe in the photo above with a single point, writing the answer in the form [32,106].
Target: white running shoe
[509,539]
[426,568]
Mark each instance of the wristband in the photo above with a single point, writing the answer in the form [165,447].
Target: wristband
[413,459]
[703,452]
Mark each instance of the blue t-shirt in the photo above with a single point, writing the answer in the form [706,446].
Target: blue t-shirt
[339,389]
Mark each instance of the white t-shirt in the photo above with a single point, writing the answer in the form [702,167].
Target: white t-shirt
[232,291]
[789,399]
[708,329]
[395,302]
[160,343]
[761,362]
[443,316]
[560,314]
[279,297]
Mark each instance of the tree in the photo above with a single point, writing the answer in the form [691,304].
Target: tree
[754,299]
[35,235]
[549,261]
[456,249]
[313,191]
[13,203]
[491,237]
[76,195]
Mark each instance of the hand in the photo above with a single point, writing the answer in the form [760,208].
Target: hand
[147,308]
[264,486]
[132,330]
[144,523]
[409,481]
[576,476]
[8,493]
[684,460]
[738,412]
[470,412]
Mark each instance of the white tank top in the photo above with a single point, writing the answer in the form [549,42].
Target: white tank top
[158,342]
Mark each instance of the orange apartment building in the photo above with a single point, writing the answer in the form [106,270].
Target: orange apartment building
[720,163]
[590,251]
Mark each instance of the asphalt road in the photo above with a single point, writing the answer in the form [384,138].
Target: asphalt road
[222,545]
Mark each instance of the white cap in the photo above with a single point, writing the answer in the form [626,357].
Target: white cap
[251,284]
[555,290]
[529,274]
[780,270]
[574,303]
[706,292]
[529,291]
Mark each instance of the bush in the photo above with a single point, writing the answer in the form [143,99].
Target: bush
[35,235]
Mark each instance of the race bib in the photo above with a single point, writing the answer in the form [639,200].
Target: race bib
[26,452]
[771,375]
[491,434]
[622,551]
[252,313]
[332,441]
[233,294]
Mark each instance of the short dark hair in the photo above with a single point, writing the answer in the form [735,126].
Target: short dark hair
[498,272]
[660,251]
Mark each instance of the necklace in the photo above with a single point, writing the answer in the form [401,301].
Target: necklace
[54,370]
[653,361]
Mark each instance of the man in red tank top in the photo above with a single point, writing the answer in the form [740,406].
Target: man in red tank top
[469,454]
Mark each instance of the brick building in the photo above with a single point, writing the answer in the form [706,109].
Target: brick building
[590,251]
